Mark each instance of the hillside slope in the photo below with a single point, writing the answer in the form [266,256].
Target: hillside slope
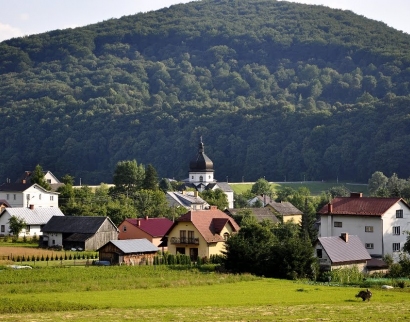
[276,89]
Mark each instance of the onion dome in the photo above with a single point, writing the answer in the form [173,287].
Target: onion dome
[201,163]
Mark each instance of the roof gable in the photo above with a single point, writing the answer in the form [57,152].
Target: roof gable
[285,208]
[365,206]
[340,251]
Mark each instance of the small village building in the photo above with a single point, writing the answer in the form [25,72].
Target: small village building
[25,194]
[200,233]
[344,251]
[189,200]
[152,229]
[128,252]
[286,211]
[81,233]
[380,223]
[35,219]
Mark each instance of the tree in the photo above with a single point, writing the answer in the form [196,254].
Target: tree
[68,180]
[150,181]
[215,198]
[16,225]
[262,187]
[165,185]
[128,178]
[338,191]
[38,177]
[377,183]
[284,193]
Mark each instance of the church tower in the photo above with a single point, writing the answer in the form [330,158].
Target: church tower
[201,168]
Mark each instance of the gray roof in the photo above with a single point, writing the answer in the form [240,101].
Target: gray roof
[186,199]
[36,216]
[285,208]
[135,245]
[340,251]
[21,187]
[259,213]
[224,186]
[74,224]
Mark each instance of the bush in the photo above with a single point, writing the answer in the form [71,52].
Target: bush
[24,239]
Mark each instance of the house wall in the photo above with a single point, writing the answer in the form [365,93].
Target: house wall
[355,225]
[389,221]
[5,227]
[37,197]
[204,249]
[113,254]
[194,177]
[53,239]
[297,219]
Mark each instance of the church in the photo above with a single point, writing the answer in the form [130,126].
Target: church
[201,175]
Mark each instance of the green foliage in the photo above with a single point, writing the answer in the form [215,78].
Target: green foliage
[16,225]
[150,181]
[38,177]
[215,198]
[261,187]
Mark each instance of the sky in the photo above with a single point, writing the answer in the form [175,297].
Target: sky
[26,17]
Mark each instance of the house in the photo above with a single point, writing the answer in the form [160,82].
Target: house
[262,200]
[50,178]
[84,233]
[187,199]
[380,223]
[26,194]
[128,252]
[286,211]
[35,219]
[201,175]
[201,233]
[342,251]
[152,229]
[3,205]
[260,214]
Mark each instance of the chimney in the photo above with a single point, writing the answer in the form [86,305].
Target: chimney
[345,237]
[183,192]
[195,193]
[138,223]
[23,181]
[214,207]
[329,208]
[146,217]
[31,207]
[356,195]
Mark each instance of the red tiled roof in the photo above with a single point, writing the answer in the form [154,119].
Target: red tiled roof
[364,206]
[156,227]
[209,223]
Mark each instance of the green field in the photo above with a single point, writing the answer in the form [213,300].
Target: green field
[146,293]
[315,187]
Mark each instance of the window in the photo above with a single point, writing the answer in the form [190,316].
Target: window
[226,236]
[192,177]
[369,245]
[319,253]
[124,228]
[7,196]
[396,247]
[51,198]
[368,229]
[396,230]
[190,236]
[181,250]
[399,213]
[14,197]
[48,180]
[201,179]
[182,237]
[337,224]
[3,228]
[39,196]
[28,228]
[54,242]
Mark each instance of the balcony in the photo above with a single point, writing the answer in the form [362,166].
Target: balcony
[184,240]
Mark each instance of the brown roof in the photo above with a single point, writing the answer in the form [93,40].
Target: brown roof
[285,208]
[209,223]
[340,251]
[365,206]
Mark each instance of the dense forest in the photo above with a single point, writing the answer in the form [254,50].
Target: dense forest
[278,90]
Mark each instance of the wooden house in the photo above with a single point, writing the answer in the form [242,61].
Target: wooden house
[128,252]
[82,233]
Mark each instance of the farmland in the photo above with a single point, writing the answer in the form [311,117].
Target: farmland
[182,294]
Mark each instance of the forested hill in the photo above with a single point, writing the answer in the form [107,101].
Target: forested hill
[276,89]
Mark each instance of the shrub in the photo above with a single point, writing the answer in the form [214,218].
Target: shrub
[34,239]
[24,239]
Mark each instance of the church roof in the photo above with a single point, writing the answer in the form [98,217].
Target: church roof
[201,162]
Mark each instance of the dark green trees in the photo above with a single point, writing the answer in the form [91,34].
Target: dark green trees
[38,177]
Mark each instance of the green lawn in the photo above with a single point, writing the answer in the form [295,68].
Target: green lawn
[162,294]
[315,187]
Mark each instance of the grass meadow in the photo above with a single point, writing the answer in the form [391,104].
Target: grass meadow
[159,293]
[315,187]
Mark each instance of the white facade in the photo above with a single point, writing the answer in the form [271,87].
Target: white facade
[34,195]
[381,235]
[201,177]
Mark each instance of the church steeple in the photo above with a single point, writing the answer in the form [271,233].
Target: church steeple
[201,168]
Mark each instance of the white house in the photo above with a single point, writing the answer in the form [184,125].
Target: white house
[35,219]
[380,223]
[201,175]
[187,199]
[24,195]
